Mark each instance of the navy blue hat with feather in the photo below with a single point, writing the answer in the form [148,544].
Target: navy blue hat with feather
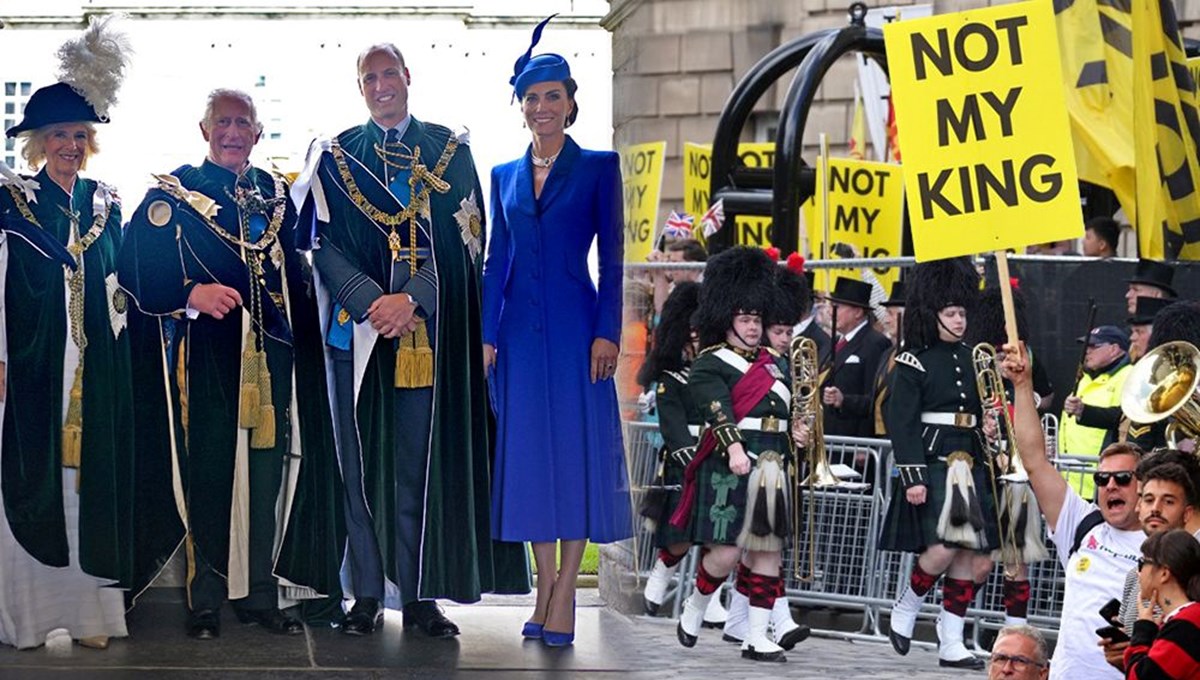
[543,68]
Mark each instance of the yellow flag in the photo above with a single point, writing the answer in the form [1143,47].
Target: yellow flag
[1166,127]
[858,129]
[1095,51]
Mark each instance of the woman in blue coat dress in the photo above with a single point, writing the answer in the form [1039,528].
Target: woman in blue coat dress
[551,340]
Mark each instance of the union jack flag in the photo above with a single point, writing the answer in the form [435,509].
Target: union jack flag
[712,220]
[678,226]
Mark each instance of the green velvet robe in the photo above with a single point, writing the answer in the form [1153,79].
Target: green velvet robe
[458,558]
[37,329]
[202,358]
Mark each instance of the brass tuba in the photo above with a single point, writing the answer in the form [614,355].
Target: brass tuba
[1163,384]
[806,408]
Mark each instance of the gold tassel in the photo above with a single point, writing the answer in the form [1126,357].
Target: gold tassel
[251,400]
[263,436]
[414,359]
[72,432]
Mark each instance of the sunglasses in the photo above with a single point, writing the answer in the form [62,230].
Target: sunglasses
[1143,561]
[1123,478]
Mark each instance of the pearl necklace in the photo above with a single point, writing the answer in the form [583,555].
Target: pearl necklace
[539,162]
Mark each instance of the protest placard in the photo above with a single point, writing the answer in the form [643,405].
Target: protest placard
[641,175]
[866,210]
[988,157]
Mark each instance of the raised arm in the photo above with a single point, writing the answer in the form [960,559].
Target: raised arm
[1048,485]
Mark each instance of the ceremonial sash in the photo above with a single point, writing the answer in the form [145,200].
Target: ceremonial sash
[748,392]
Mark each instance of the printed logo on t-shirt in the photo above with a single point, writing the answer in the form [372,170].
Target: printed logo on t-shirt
[1092,543]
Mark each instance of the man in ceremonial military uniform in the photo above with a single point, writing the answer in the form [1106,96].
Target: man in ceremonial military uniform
[209,265]
[392,213]
[942,505]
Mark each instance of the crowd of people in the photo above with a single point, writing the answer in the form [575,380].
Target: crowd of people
[329,396]
[972,482]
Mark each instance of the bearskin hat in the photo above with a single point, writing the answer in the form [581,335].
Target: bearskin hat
[792,298]
[673,333]
[1177,321]
[931,287]
[736,280]
[986,322]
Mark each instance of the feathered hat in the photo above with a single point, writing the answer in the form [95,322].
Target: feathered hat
[1177,321]
[931,287]
[986,321]
[543,68]
[792,296]
[91,68]
[673,332]
[737,280]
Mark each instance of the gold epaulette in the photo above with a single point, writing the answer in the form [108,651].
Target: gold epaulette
[711,348]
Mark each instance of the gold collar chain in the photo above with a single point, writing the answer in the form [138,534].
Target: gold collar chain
[268,236]
[81,244]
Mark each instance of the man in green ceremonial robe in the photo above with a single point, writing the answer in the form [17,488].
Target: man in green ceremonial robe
[209,257]
[392,210]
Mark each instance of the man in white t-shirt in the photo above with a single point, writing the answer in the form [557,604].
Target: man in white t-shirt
[1096,561]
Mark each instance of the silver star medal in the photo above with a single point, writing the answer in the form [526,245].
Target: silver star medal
[470,224]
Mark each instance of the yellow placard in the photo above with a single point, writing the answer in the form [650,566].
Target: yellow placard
[866,202]
[697,168]
[988,158]
[641,176]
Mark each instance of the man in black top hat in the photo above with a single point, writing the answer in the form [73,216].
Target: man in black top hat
[1151,279]
[858,348]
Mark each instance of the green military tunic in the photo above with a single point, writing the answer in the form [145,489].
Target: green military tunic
[936,380]
[38,324]
[719,511]
[679,422]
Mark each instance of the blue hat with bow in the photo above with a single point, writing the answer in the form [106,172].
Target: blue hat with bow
[540,69]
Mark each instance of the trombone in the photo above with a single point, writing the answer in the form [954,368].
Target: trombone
[806,408]
[1005,456]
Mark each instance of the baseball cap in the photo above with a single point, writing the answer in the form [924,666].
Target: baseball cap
[1105,335]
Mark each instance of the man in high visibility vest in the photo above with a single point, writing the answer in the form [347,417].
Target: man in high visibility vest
[1091,417]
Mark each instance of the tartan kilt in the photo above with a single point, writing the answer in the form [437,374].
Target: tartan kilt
[719,510]
[666,534]
[913,528]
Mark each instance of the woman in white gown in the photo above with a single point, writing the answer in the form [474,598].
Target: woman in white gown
[65,403]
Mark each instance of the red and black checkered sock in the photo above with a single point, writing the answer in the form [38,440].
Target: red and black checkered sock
[957,594]
[1016,598]
[921,581]
[762,590]
[668,559]
[739,581]
[780,587]
[706,583]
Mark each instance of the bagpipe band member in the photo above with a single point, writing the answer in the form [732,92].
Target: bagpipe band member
[942,505]
[790,304]
[679,421]
[1020,518]
[736,487]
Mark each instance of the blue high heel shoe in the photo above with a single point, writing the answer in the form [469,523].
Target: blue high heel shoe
[555,639]
[532,630]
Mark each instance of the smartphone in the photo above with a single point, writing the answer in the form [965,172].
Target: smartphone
[1111,610]
[1112,633]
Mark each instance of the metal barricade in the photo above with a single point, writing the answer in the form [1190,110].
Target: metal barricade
[850,572]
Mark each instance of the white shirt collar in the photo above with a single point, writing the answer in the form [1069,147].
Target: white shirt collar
[400,127]
[850,336]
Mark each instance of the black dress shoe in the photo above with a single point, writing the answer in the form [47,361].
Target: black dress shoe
[363,618]
[794,636]
[972,663]
[650,608]
[271,619]
[204,624]
[427,616]
[899,643]
[685,639]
